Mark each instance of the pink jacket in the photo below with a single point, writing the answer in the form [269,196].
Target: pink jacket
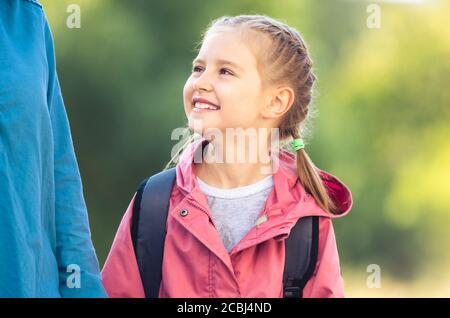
[196,263]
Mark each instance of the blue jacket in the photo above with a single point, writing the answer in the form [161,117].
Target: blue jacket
[45,244]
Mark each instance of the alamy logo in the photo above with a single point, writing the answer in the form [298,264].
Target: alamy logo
[249,145]
[74,19]
[374,19]
[74,279]
[374,279]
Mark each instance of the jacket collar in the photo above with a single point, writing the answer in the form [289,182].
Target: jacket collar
[288,199]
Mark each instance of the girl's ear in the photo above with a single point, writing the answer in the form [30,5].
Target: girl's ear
[279,103]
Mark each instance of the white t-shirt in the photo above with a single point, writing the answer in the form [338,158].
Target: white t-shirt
[234,211]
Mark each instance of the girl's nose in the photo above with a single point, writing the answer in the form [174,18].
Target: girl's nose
[202,83]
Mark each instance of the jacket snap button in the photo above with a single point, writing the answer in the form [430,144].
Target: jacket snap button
[183,212]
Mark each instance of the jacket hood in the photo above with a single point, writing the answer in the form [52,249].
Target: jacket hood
[289,198]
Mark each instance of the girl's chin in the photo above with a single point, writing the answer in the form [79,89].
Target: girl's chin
[201,125]
[205,118]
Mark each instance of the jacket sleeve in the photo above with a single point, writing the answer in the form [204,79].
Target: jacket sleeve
[120,274]
[326,281]
[74,248]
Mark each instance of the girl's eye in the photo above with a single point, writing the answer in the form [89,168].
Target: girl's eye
[226,70]
[198,68]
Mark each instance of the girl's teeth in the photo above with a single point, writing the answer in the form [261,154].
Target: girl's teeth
[204,106]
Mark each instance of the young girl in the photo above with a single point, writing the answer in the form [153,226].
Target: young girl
[228,220]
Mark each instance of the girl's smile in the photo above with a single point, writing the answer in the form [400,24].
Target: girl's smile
[203,105]
[202,108]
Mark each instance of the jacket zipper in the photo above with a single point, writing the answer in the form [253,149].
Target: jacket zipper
[211,279]
[194,203]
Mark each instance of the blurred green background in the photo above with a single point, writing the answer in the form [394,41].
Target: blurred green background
[383,126]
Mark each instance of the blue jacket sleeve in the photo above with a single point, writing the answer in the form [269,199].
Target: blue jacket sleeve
[77,262]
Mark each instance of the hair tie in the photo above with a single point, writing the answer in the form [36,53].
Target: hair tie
[297,144]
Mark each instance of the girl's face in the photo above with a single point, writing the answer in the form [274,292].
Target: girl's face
[225,73]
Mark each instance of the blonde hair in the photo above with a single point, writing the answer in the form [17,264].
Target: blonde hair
[287,61]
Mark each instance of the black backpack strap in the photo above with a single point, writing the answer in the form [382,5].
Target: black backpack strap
[136,213]
[302,247]
[150,207]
